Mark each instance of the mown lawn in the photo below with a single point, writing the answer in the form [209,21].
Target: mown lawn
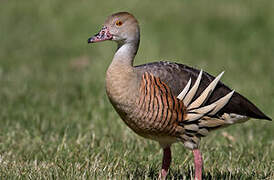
[56,121]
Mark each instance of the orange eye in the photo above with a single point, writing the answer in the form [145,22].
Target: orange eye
[118,23]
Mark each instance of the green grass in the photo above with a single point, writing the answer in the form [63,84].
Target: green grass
[57,123]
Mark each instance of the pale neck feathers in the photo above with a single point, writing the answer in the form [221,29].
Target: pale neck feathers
[125,55]
[121,79]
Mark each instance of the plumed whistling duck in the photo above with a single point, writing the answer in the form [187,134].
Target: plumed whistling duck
[166,101]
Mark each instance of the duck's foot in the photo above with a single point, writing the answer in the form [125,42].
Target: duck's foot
[166,163]
[198,164]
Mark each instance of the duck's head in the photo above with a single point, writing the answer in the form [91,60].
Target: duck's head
[120,27]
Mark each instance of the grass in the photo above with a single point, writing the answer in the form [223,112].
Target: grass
[57,123]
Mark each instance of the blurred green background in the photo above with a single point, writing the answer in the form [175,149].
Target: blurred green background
[56,121]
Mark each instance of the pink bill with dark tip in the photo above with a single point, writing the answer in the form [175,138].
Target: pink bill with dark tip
[103,35]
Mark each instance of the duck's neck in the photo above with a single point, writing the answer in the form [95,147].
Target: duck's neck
[121,79]
[125,54]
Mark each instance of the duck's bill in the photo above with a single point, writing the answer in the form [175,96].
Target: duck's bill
[103,35]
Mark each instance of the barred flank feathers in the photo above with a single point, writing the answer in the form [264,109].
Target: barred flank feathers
[158,107]
[165,115]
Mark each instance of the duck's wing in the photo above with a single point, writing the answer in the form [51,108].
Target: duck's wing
[177,76]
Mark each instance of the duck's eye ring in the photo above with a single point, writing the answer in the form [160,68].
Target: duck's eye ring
[118,23]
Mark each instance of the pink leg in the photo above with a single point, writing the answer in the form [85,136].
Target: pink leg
[166,163]
[198,164]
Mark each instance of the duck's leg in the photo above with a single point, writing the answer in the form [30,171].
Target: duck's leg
[198,164]
[166,162]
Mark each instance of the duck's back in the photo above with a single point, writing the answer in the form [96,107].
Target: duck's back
[177,75]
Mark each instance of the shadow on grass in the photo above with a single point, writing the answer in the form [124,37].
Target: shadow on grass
[189,174]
